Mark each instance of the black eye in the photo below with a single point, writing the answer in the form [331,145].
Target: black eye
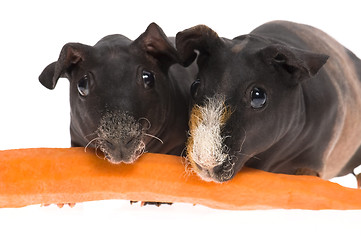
[258,98]
[83,86]
[148,79]
[194,87]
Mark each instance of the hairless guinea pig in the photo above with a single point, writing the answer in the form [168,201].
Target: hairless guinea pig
[126,96]
[285,98]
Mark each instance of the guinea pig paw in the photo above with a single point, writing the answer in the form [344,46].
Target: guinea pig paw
[71,205]
[158,204]
[358,178]
[144,203]
[60,205]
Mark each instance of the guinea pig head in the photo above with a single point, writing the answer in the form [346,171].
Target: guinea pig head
[119,92]
[242,97]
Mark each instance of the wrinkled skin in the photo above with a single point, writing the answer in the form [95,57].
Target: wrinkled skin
[278,99]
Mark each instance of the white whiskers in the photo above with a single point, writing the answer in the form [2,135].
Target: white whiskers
[152,136]
[94,139]
[149,124]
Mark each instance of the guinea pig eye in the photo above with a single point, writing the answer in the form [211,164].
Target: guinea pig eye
[258,98]
[83,86]
[148,79]
[194,87]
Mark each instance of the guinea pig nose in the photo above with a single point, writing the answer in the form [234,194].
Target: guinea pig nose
[109,145]
[129,142]
[218,169]
[224,171]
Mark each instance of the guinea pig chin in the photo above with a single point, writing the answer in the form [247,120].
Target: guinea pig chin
[120,137]
[206,150]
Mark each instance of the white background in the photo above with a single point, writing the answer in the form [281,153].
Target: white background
[32,34]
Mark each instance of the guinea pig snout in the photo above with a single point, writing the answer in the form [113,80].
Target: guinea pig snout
[224,171]
[206,148]
[120,137]
[122,151]
[219,173]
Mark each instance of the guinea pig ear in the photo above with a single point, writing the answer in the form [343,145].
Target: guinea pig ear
[154,42]
[70,55]
[201,38]
[299,63]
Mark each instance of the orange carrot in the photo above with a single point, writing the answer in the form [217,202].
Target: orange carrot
[44,176]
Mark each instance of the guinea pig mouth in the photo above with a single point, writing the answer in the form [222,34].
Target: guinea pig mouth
[120,138]
[122,153]
[220,173]
[206,150]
